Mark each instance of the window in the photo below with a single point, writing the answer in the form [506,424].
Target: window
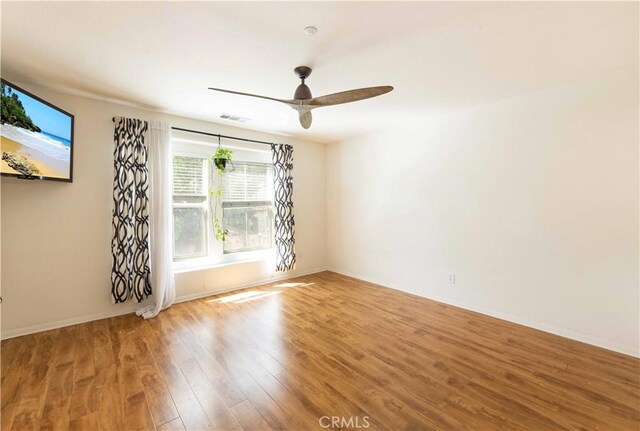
[247,203]
[190,207]
[247,209]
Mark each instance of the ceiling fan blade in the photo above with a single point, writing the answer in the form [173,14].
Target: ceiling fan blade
[286,102]
[305,118]
[348,96]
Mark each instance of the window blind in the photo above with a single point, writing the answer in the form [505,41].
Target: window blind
[188,176]
[249,182]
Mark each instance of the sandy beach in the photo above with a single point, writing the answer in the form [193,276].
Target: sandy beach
[48,166]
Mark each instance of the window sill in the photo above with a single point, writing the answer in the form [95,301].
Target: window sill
[205,263]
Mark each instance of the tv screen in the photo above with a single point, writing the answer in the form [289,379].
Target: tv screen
[36,137]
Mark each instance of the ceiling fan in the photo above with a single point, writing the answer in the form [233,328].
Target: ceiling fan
[304,102]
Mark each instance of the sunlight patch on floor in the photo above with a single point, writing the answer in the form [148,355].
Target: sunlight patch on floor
[293,284]
[245,296]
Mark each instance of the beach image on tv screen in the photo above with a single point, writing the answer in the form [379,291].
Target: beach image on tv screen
[35,138]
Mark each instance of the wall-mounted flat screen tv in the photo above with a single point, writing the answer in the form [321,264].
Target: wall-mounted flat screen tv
[36,137]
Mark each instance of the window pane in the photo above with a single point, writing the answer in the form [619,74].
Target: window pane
[182,199]
[248,182]
[189,175]
[250,228]
[190,232]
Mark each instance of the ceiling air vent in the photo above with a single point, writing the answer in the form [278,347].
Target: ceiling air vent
[234,118]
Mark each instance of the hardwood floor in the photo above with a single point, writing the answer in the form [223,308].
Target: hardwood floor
[295,354]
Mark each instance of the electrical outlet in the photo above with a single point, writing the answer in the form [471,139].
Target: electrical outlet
[452,278]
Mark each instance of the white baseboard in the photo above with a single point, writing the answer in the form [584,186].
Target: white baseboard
[567,333]
[122,309]
[132,307]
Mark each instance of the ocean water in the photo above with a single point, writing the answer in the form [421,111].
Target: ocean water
[64,142]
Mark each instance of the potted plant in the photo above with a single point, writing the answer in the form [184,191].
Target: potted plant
[221,157]
[218,167]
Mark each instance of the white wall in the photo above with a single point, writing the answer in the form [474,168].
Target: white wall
[56,256]
[531,202]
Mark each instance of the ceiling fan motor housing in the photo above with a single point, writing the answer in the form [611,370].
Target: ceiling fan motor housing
[302,92]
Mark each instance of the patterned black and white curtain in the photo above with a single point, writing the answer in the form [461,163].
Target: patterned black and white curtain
[282,156]
[130,243]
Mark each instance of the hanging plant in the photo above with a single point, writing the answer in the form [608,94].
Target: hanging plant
[221,157]
[218,165]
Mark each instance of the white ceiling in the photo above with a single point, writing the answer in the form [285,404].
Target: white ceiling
[439,56]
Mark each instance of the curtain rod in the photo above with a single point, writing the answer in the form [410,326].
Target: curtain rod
[222,136]
[217,135]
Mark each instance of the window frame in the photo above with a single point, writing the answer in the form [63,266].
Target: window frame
[246,167]
[216,254]
[204,205]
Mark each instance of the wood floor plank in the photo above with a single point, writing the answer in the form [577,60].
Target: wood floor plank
[88,422]
[248,417]
[284,355]
[160,402]
[270,411]
[12,386]
[84,398]
[111,415]
[32,399]
[56,414]
[212,403]
[10,396]
[137,414]
[84,365]
[57,405]
[27,395]
[174,425]
[191,413]
[7,351]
